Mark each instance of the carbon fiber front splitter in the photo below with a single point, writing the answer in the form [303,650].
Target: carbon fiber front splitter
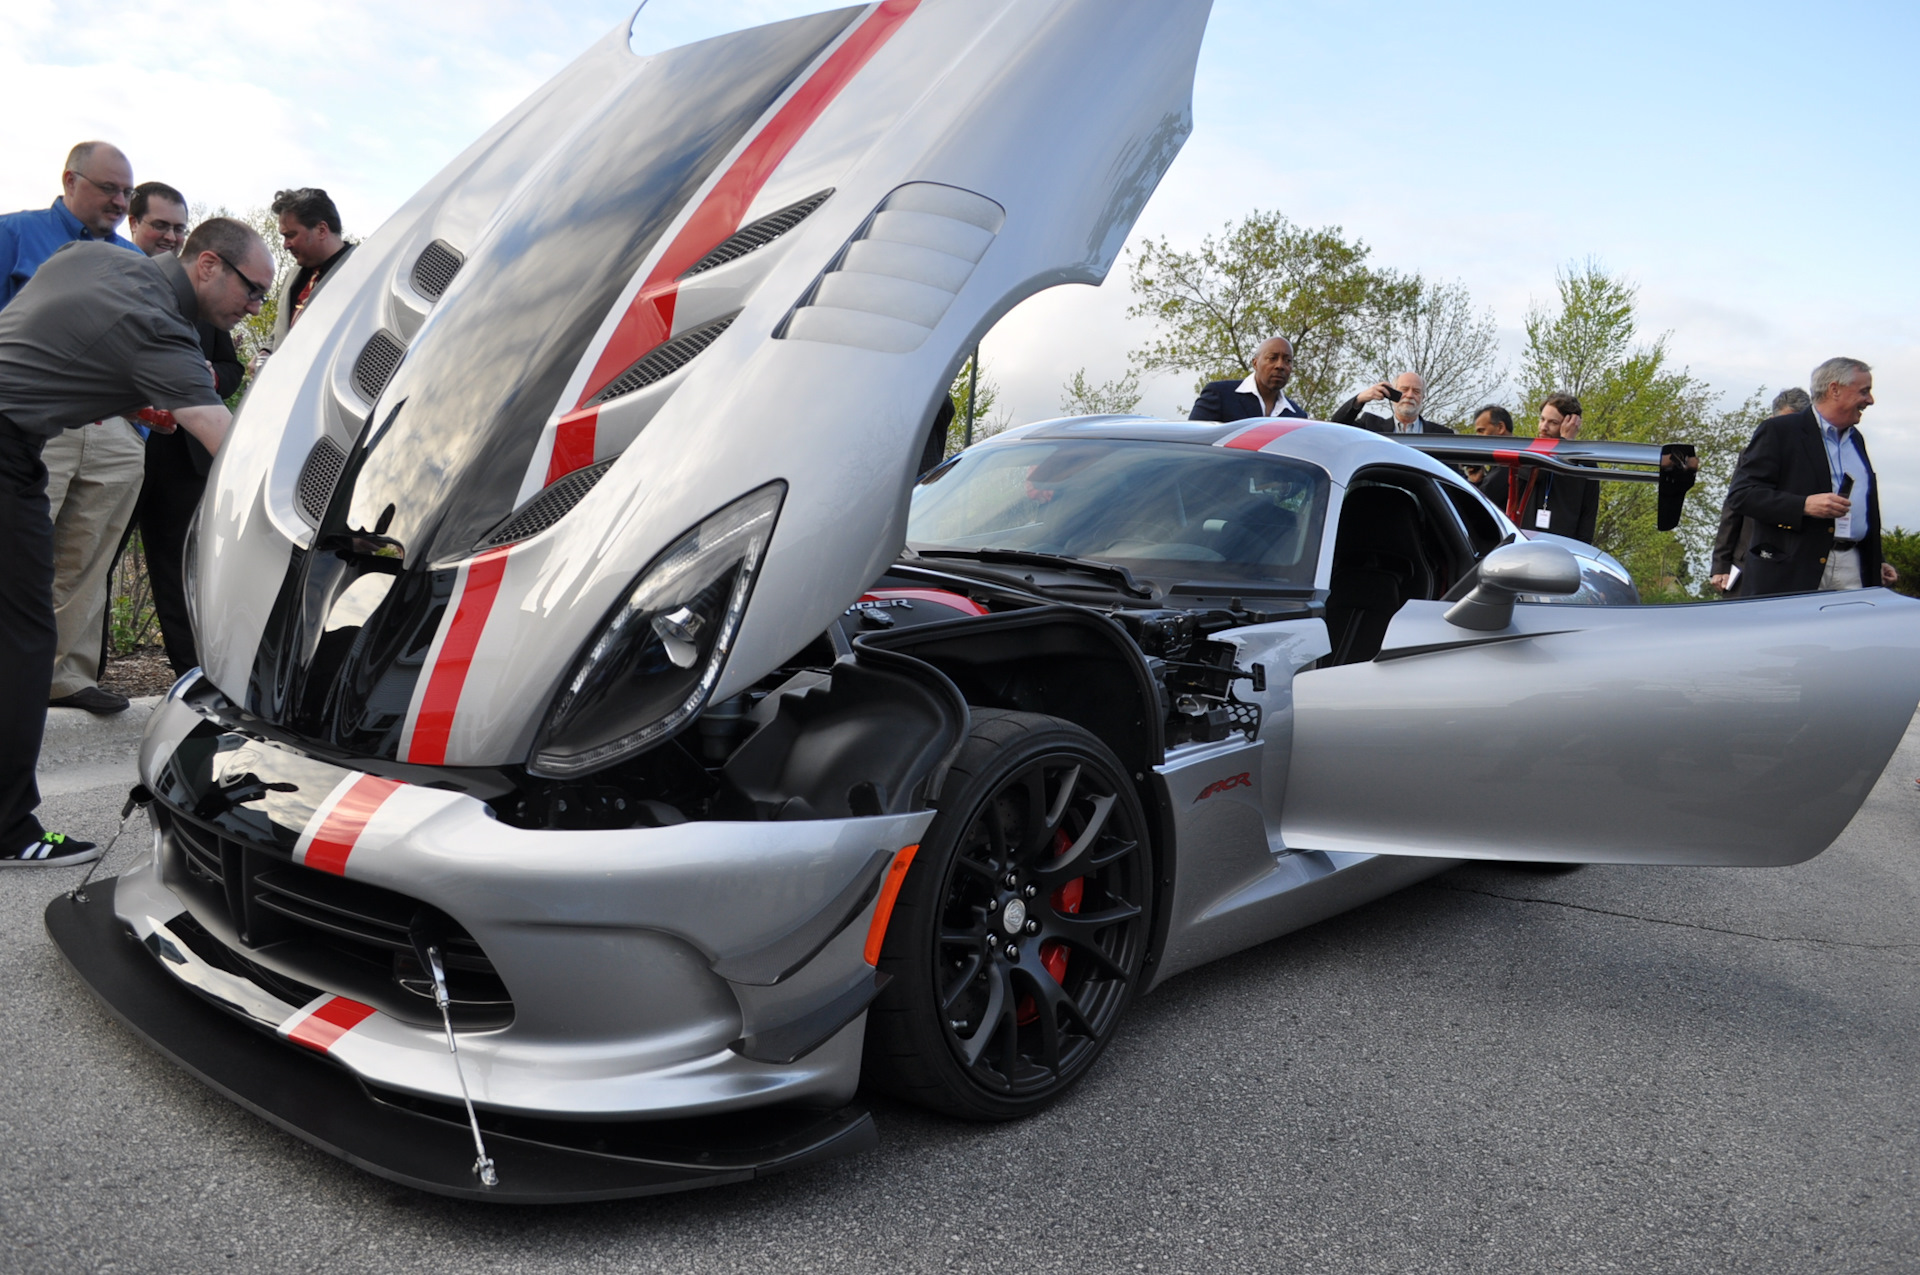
[421,1143]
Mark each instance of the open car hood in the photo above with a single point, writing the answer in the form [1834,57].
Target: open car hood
[662,283]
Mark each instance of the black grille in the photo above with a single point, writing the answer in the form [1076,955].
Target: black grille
[317,479]
[758,234]
[1243,716]
[665,359]
[547,508]
[288,926]
[434,270]
[377,364]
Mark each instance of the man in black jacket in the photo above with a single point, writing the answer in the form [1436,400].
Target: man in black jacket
[176,463]
[1556,503]
[1404,395]
[1806,482]
[1736,532]
[1261,394]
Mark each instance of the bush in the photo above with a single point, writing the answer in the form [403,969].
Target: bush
[1902,548]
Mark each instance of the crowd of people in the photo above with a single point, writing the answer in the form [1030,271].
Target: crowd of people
[117,360]
[1802,511]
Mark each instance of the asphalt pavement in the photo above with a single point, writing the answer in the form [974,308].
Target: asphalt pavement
[1612,1069]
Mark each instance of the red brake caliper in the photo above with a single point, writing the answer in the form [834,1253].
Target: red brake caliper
[1053,953]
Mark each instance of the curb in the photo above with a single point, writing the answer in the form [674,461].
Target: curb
[73,734]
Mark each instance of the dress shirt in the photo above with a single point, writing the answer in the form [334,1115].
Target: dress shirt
[1280,404]
[30,237]
[1843,457]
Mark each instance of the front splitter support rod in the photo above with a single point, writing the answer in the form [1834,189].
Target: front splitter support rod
[483,1163]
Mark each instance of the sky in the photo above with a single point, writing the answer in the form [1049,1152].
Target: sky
[1750,167]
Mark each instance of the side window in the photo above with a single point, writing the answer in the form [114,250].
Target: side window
[1483,530]
[1391,522]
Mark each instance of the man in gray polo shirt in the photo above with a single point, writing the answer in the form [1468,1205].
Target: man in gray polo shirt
[97,332]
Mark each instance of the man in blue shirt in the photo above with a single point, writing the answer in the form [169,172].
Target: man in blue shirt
[94,192]
[93,474]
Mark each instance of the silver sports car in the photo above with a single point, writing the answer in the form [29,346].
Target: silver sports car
[608,758]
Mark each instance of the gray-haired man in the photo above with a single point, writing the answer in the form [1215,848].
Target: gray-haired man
[1808,485]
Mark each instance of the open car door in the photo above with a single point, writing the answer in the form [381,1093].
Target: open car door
[1745,732]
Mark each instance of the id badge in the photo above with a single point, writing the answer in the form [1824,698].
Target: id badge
[1542,519]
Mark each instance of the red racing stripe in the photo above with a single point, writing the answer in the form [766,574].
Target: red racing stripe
[319,1030]
[1260,435]
[649,317]
[334,839]
[1543,444]
[435,723]
[573,439]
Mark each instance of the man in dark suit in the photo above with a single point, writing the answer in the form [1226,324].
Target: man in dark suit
[1261,394]
[1807,534]
[1736,532]
[1557,503]
[176,463]
[1404,394]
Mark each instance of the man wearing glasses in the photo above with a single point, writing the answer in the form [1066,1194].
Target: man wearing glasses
[176,463]
[94,474]
[97,332]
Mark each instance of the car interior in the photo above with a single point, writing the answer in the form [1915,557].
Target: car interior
[1403,535]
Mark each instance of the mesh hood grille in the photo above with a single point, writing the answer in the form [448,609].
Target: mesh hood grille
[377,364]
[758,234]
[317,479]
[665,359]
[547,508]
[433,272]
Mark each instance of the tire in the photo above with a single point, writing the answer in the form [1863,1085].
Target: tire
[965,1028]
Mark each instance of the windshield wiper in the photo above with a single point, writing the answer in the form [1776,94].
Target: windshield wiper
[1027,558]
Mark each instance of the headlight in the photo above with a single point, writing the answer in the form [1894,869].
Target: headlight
[656,658]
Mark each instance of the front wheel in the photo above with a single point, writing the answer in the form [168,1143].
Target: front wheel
[1021,928]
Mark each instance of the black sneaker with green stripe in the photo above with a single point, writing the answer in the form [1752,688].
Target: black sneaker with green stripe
[52,850]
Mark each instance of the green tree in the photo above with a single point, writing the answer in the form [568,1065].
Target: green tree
[1588,345]
[1118,397]
[1263,277]
[986,421]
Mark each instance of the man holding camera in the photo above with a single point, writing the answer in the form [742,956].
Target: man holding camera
[1404,394]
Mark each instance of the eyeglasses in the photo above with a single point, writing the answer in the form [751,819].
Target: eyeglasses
[166,227]
[255,291]
[108,189]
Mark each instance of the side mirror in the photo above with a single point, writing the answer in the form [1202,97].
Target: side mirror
[1527,567]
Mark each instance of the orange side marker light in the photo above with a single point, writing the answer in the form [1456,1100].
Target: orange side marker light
[883,910]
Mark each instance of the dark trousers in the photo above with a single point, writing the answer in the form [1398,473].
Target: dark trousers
[27,633]
[168,498]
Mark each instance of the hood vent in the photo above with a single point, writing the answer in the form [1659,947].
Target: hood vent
[377,364]
[665,359]
[890,287]
[758,234]
[549,507]
[433,272]
[317,479]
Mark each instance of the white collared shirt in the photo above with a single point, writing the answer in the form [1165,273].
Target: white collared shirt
[1843,457]
[1280,404]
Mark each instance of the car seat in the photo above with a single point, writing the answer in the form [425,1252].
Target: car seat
[1377,566]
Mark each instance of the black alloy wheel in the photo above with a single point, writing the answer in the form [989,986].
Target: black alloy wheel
[1021,929]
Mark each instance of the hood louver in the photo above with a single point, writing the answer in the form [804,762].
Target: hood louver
[665,359]
[317,479]
[547,508]
[758,234]
[433,272]
[377,364]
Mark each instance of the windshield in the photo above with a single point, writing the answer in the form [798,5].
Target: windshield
[1171,512]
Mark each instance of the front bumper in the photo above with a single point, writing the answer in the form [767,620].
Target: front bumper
[422,1143]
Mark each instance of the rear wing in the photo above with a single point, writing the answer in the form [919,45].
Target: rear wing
[1672,465]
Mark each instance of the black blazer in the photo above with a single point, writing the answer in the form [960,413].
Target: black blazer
[1730,542]
[1351,413]
[1573,504]
[1220,402]
[1784,464]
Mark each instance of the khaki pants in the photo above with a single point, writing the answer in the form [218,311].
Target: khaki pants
[1843,571]
[93,484]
